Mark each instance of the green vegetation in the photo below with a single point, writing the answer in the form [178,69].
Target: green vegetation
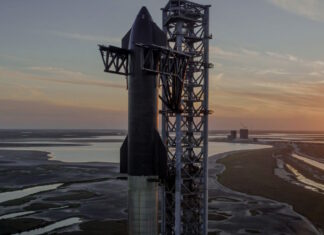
[251,172]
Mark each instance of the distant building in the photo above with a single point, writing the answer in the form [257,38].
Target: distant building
[244,134]
[233,135]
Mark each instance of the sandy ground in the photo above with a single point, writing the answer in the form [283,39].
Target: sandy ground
[94,193]
[246,214]
[313,150]
[252,172]
[90,191]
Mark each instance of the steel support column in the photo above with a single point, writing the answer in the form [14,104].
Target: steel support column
[185,201]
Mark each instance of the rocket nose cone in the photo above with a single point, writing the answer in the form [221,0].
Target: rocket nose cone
[144,14]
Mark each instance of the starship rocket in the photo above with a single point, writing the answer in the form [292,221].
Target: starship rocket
[143,155]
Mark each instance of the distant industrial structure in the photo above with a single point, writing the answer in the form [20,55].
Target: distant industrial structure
[232,135]
[179,56]
[244,134]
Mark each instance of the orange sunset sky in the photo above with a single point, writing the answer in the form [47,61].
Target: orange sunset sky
[268,58]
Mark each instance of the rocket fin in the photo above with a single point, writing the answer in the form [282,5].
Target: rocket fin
[125,40]
[124,157]
[159,37]
[161,157]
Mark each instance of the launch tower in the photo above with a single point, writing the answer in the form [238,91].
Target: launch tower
[185,134]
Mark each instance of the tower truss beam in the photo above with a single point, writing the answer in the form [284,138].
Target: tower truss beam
[186,137]
[115,59]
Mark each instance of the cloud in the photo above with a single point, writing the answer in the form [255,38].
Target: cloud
[256,63]
[58,75]
[10,90]
[250,52]
[316,74]
[45,114]
[289,97]
[15,58]
[219,52]
[267,63]
[243,52]
[215,80]
[85,37]
[288,57]
[254,57]
[227,110]
[85,90]
[318,63]
[79,82]
[218,77]
[311,9]
[56,71]
[272,71]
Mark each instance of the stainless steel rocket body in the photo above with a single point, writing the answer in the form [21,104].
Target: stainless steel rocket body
[142,101]
[142,149]
[142,206]
[142,125]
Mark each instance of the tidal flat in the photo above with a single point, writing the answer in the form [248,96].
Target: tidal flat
[90,191]
[94,194]
[252,173]
[91,197]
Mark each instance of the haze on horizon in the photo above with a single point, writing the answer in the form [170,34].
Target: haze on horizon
[268,57]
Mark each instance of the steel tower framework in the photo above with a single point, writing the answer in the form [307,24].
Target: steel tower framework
[185,194]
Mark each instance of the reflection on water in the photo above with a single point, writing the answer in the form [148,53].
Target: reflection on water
[51,227]
[309,161]
[90,152]
[308,183]
[14,215]
[109,151]
[101,151]
[220,147]
[7,196]
[94,152]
